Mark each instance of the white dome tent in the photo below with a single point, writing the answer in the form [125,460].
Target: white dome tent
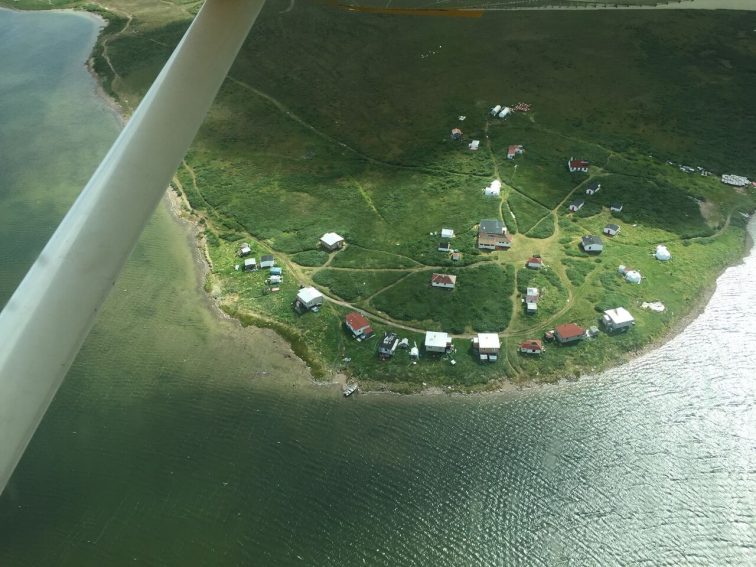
[633,276]
[662,253]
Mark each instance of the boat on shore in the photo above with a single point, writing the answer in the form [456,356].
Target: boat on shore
[350,389]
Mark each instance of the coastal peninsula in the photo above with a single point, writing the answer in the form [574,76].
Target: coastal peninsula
[463,163]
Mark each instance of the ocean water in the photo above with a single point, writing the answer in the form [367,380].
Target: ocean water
[179,439]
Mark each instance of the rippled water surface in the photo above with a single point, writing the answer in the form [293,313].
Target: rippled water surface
[178,440]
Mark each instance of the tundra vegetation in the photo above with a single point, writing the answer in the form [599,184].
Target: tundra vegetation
[339,121]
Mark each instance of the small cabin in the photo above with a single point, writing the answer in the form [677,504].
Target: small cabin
[272,280]
[444,247]
[245,250]
[494,189]
[276,271]
[309,298]
[592,243]
[612,229]
[250,264]
[446,281]
[531,346]
[534,263]
[447,233]
[456,134]
[616,207]
[267,261]
[331,241]
[495,110]
[568,333]
[487,345]
[474,145]
[579,165]
[618,319]
[576,205]
[358,325]
[531,300]
[437,342]
[514,150]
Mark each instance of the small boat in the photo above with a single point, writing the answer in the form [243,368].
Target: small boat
[350,389]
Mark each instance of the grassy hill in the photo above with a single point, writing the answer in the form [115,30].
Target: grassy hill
[339,121]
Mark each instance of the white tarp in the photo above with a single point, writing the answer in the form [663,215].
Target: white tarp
[633,277]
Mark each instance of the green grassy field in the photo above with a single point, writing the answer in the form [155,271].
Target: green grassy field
[351,135]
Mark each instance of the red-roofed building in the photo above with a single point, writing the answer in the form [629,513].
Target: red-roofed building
[443,280]
[578,165]
[568,333]
[531,346]
[358,325]
[514,149]
[535,263]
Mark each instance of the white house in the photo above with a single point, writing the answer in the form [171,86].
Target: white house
[474,145]
[488,346]
[662,253]
[267,261]
[617,319]
[612,229]
[514,150]
[443,280]
[437,342]
[275,279]
[309,297]
[592,243]
[245,250]
[331,241]
[447,233]
[576,205]
[494,189]
[250,264]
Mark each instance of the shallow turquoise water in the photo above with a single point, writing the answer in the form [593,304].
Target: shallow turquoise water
[179,440]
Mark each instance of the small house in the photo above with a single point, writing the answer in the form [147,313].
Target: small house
[276,271]
[531,300]
[662,253]
[514,150]
[611,229]
[387,346]
[444,247]
[250,264]
[580,165]
[535,263]
[576,205]
[456,134]
[267,261]
[531,346]
[474,145]
[358,325]
[273,280]
[592,244]
[446,281]
[593,188]
[633,276]
[447,233]
[494,189]
[456,256]
[618,319]
[495,110]
[492,235]
[616,207]
[331,241]
[488,346]
[245,250]
[437,342]
[568,333]
[506,111]
[309,298]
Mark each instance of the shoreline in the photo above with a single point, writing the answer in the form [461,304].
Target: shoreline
[180,210]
